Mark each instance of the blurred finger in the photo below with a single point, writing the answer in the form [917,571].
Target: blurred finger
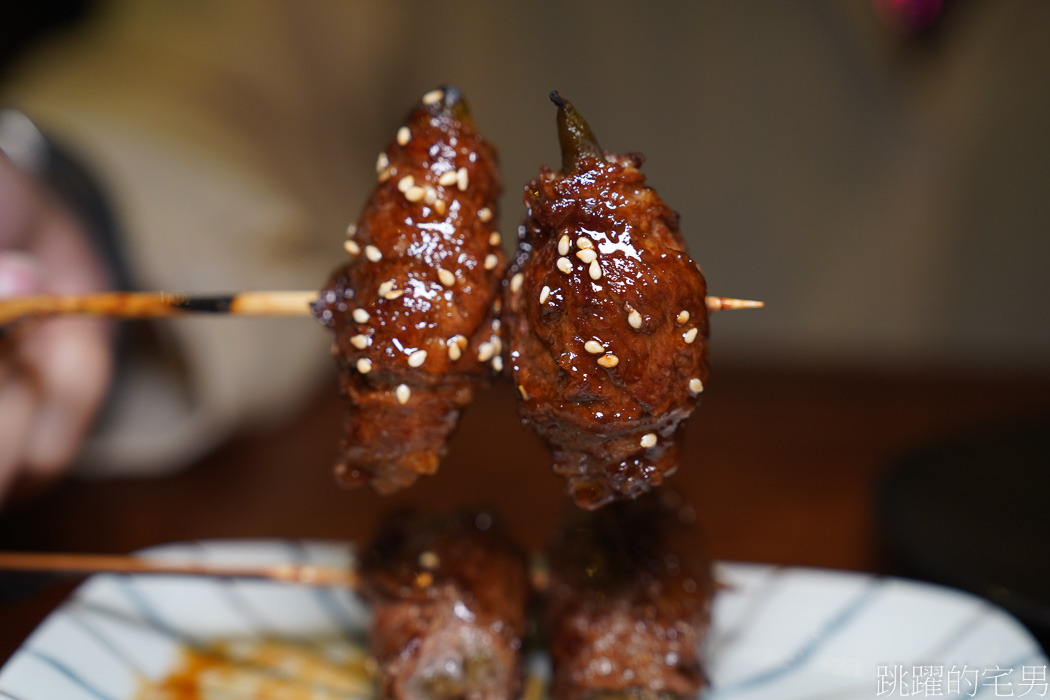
[19,273]
[18,404]
[20,205]
[73,362]
[69,261]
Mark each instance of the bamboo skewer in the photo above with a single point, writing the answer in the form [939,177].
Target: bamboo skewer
[154,304]
[305,574]
[150,304]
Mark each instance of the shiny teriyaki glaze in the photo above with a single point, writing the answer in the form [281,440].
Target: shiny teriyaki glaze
[602,364]
[414,305]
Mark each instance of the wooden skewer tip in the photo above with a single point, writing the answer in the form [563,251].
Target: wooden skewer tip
[730,304]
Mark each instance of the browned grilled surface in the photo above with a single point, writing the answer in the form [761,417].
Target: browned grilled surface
[629,602]
[448,596]
[413,310]
[607,326]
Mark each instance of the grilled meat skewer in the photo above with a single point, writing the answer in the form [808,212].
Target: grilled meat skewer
[448,600]
[412,311]
[606,320]
[629,603]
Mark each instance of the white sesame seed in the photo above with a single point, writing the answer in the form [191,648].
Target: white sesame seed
[406,183]
[690,335]
[564,265]
[496,325]
[364,365]
[382,163]
[563,245]
[431,195]
[454,353]
[361,316]
[385,287]
[635,319]
[648,440]
[584,243]
[497,363]
[524,394]
[351,230]
[485,214]
[360,341]
[595,270]
[440,207]
[433,97]
[397,293]
[495,238]
[695,386]
[544,293]
[462,179]
[609,360]
[497,344]
[447,278]
[447,178]
[403,136]
[417,358]
[516,282]
[491,261]
[351,247]
[415,194]
[587,255]
[385,175]
[373,253]
[403,393]
[683,317]
[594,347]
[485,352]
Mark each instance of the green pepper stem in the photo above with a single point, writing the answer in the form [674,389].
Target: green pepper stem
[575,135]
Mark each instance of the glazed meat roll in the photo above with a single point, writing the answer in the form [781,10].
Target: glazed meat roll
[448,599]
[606,320]
[412,310]
[629,603]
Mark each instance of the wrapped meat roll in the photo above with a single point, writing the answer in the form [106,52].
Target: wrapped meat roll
[629,603]
[448,600]
[606,320]
[413,310]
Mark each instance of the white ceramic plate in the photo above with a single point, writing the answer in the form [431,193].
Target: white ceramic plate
[778,632]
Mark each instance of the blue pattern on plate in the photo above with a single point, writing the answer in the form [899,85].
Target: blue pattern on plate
[69,674]
[801,655]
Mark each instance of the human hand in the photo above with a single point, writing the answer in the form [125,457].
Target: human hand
[55,374]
